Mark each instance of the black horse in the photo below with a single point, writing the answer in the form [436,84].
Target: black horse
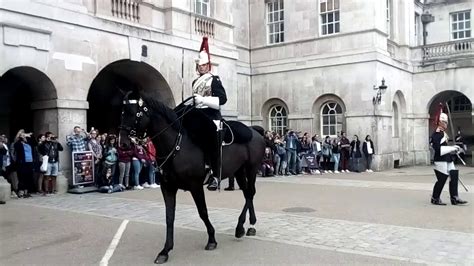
[183,162]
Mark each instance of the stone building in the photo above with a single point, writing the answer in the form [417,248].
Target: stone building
[309,65]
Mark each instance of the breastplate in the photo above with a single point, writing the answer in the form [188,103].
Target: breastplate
[202,86]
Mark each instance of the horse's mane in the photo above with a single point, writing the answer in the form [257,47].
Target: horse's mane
[166,112]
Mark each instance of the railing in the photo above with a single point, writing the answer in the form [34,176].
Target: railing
[204,26]
[448,49]
[126,9]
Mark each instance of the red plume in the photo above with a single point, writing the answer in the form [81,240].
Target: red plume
[437,115]
[205,46]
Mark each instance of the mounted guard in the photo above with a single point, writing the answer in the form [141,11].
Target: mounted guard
[209,95]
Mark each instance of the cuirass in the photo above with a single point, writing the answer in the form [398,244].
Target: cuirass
[202,86]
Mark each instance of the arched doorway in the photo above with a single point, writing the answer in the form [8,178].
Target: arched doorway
[19,88]
[106,92]
[461,112]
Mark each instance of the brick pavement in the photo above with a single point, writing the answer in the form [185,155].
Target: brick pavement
[378,240]
[317,180]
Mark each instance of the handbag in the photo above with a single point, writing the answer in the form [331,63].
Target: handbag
[44,163]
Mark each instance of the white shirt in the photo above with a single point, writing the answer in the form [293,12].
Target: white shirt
[369,148]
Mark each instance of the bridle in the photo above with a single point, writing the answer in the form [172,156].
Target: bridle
[144,111]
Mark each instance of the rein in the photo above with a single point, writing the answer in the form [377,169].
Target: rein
[143,110]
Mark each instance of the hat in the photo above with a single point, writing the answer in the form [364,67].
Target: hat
[204,56]
[443,117]
[440,116]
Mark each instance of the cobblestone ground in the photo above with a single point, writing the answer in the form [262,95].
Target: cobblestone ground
[379,240]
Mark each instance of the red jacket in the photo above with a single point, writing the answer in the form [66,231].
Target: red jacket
[151,151]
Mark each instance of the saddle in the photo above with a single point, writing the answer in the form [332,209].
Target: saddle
[202,131]
[236,132]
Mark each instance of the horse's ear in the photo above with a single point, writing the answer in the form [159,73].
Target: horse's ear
[126,94]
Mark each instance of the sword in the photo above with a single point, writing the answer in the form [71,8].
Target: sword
[452,131]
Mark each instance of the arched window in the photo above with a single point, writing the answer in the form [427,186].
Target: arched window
[331,121]
[395,126]
[278,119]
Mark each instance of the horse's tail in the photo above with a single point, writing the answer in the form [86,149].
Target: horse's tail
[259,129]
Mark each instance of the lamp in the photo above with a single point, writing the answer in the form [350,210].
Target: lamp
[377,99]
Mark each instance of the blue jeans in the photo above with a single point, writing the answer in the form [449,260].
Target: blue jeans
[335,158]
[151,173]
[137,167]
[291,155]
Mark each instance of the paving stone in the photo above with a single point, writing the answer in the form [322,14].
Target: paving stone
[379,240]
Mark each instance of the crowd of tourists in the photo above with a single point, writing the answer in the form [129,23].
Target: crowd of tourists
[117,168]
[296,153]
[30,164]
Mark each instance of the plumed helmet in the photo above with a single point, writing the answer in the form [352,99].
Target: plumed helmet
[204,56]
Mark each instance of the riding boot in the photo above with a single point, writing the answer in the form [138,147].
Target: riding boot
[453,188]
[438,187]
[214,181]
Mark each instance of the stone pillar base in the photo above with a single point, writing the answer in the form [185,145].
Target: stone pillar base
[5,189]
[62,183]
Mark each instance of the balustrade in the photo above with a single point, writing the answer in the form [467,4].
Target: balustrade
[448,49]
[204,26]
[126,9]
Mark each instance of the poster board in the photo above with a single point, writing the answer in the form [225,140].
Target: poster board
[82,168]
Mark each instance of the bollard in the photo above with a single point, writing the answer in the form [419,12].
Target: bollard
[5,189]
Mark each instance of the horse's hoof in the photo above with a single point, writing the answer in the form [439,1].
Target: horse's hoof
[211,246]
[239,232]
[251,232]
[161,259]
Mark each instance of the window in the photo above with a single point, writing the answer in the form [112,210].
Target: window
[275,22]
[461,25]
[388,15]
[331,123]
[278,119]
[395,121]
[329,10]
[459,104]
[418,34]
[202,7]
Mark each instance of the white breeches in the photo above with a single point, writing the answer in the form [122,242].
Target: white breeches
[444,167]
[218,124]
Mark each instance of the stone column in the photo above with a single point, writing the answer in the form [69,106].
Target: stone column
[418,138]
[60,117]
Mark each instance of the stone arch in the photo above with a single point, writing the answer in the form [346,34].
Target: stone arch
[461,112]
[398,114]
[24,91]
[399,130]
[106,91]
[267,108]
[318,105]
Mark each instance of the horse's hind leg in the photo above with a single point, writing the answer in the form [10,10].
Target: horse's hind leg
[169,195]
[249,199]
[200,201]
[240,230]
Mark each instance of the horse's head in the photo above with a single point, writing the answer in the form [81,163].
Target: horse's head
[134,120]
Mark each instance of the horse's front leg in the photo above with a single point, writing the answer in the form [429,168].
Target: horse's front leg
[200,201]
[169,195]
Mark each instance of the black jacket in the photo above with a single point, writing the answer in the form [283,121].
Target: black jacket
[364,148]
[436,143]
[20,151]
[51,149]
[356,153]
